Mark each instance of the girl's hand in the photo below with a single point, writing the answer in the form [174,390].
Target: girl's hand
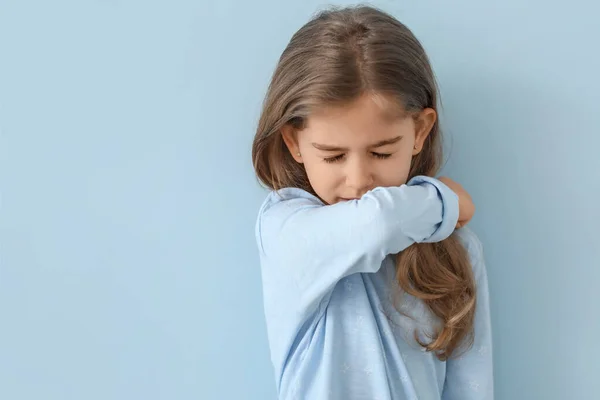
[466,208]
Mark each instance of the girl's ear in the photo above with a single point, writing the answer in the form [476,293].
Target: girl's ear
[423,124]
[290,137]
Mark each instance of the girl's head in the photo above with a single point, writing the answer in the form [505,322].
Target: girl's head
[352,106]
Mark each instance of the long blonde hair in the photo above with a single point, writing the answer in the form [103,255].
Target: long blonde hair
[337,56]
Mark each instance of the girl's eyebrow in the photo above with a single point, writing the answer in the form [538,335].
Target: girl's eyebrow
[381,143]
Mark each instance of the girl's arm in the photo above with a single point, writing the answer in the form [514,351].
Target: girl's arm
[317,245]
[470,376]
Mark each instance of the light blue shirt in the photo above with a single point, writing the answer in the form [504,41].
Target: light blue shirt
[331,298]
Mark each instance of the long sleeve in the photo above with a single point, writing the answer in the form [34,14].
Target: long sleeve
[470,376]
[317,245]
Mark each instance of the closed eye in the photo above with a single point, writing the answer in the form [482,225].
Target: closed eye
[382,156]
[340,157]
[333,159]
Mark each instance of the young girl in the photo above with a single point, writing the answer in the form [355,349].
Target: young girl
[369,291]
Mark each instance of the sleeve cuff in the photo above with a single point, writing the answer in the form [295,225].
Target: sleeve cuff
[449,208]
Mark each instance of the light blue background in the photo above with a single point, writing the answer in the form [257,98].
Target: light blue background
[128,267]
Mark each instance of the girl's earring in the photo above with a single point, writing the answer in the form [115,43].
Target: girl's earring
[298,154]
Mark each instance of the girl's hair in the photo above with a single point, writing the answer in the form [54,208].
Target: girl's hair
[336,57]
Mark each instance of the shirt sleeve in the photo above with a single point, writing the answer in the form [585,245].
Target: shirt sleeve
[317,245]
[470,376]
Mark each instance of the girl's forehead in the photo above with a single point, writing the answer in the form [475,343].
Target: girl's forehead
[376,107]
[354,128]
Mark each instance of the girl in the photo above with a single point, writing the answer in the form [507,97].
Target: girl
[369,292]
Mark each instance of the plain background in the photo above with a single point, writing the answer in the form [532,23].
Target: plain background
[128,264]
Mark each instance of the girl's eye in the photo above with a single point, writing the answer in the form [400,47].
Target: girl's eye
[381,155]
[340,157]
[334,159]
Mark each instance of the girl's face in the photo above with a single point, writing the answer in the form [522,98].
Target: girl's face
[350,150]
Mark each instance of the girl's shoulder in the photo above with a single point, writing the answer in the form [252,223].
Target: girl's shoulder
[290,196]
[472,244]
[278,206]
[288,193]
